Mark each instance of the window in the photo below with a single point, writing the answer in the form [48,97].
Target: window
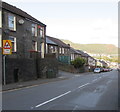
[46,48]
[60,50]
[40,31]
[63,50]
[55,49]
[66,51]
[0,18]
[0,40]
[34,45]
[72,56]
[34,30]
[12,22]
[51,49]
[13,41]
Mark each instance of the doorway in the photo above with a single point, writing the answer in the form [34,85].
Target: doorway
[16,74]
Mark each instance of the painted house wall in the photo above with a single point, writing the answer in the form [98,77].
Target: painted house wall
[63,50]
[64,55]
[74,56]
[91,61]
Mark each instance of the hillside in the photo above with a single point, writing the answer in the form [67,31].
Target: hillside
[94,48]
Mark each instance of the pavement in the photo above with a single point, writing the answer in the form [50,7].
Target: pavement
[61,76]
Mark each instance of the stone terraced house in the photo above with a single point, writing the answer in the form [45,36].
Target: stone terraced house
[27,35]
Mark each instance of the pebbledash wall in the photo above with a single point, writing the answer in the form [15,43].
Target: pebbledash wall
[21,65]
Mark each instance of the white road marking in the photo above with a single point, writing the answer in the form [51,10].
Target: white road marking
[52,99]
[109,81]
[95,91]
[74,108]
[83,85]
[61,77]
[77,75]
[31,107]
[94,80]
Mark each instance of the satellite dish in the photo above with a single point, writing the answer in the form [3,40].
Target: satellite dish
[21,21]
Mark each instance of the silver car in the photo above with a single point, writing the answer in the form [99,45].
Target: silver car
[97,70]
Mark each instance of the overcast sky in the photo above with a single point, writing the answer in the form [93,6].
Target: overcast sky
[80,21]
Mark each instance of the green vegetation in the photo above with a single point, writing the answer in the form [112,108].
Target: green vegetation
[78,62]
[112,59]
[94,48]
[107,49]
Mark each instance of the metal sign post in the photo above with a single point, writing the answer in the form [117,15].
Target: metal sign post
[4,73]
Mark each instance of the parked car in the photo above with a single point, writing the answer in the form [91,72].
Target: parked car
[110,69]
[106,70]
[97,70]
[102,69]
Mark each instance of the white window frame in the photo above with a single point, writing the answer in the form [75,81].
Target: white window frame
[60,50]
[72,56]
[55,49]
[41,32]
[35,29]
[51,49]
[14,22]
[0,40]
[63,50]
[46,48]
[13,41]
[36,46]
[0,18]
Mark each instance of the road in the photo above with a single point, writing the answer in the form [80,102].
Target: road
[79,92]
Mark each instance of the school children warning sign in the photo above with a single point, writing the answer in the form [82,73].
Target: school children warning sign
[7,47]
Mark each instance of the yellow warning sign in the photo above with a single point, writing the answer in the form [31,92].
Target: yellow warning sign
[7,47]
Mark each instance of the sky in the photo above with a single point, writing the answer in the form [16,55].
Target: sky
[80,21]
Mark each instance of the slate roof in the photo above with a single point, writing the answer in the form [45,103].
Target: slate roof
[58,42]
[102,61]
[74,50]
[48,41]
[82,53]
[19,12]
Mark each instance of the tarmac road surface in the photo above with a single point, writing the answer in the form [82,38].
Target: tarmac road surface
[79,92]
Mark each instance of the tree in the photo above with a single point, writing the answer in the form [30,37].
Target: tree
[78,62]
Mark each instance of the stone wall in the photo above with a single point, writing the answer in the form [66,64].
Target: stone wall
[72,69]
[67,67]
[24,69]
[20,70]
[47,67]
